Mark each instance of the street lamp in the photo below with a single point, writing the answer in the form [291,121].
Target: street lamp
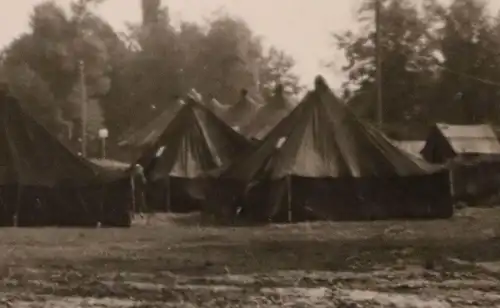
[103,135]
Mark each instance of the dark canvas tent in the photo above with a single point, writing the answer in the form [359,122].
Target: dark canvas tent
[195,142]
[239,114]
[472,153]
[135,139]
[321,162]
[268,116]
[43,182]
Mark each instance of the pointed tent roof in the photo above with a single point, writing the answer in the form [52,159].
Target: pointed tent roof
[150,132]
[267,117]
[322,138]
[30,155]
[218,108]
[195,142]
[243,111]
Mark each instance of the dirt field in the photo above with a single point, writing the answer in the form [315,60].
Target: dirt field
[172,262]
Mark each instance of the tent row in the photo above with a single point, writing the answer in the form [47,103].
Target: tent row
[313,160]
[42,183]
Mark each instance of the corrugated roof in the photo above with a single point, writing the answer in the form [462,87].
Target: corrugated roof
[471,139]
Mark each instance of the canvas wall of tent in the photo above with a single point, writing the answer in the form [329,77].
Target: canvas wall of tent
[44,183]
[322,162]
[176,165]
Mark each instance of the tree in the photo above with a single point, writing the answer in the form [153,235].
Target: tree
[469,40]
[404,43]
[230,54]
[229,57]
[154,68]
[130,76]
[217,60]
[191,38]
[276,68]
[49,57]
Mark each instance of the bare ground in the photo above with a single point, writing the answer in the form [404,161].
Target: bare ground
[170,261]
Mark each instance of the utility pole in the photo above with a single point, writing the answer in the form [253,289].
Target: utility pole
[83,106]
[378,59]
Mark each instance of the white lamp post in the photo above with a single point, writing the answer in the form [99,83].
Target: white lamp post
[103,135]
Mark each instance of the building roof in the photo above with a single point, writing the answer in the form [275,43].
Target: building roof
[470,139]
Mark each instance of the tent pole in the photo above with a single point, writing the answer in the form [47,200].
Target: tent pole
[289,197]
[452,183]
[18,205]
[167,184]
[132,190]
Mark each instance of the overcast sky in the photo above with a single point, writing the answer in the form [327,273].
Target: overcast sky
[301,27]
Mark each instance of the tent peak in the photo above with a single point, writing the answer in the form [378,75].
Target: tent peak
[195,95]
[279,89]
[320,83]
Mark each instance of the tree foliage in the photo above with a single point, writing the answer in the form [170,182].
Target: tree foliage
[469,42]
[43,66]
[438,62]
[130,76]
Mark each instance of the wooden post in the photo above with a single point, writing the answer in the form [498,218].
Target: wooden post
[18,205]
[289,197]
[452,183]
[167,201]
[83,105]
[378,59]
[132,189]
